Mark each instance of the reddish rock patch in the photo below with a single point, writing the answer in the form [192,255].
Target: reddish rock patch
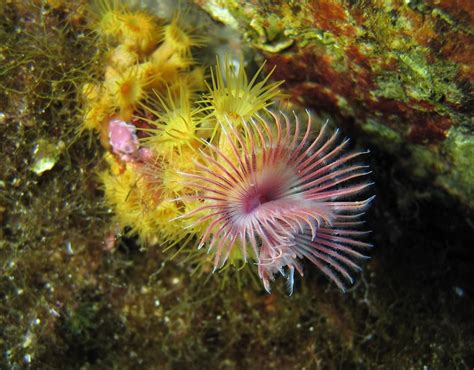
[330,16]
[429,128]
[312,81]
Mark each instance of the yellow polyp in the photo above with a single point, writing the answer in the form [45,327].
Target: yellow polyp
[134,204]
[119,186]
[162,214]
[168,73]
[173,180]
[135,29]
[174,135]
[121,194]
[166,178]
[140,32]
[151,73]
[116,167]
[177,39]
[105,17]
[193,82]
[122,57]
[90,92]
[166,54]
[97,113]
[158,76]
[232,96]
[139,204]
[179,61]
[175,128]
[196,79]
[126,89]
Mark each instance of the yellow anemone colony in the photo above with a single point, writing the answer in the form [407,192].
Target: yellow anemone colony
[205,161]
[154,112]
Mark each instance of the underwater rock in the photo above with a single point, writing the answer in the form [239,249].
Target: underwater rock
[78,292]
[401,73]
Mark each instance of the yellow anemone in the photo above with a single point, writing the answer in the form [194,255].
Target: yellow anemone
[140,32]
[176,127]
[134,29]
[178,38]
[126,89]
[232,96]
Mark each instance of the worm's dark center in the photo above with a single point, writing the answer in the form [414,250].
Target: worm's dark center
[258,195]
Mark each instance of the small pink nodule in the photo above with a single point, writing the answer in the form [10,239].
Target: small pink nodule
[123,139]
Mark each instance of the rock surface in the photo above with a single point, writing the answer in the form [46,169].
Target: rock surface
[399,71]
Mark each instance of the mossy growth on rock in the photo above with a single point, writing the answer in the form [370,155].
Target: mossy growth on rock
[378,65]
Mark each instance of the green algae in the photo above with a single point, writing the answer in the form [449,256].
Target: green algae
[459,178]
[382,136]
[423,81]
[454,174]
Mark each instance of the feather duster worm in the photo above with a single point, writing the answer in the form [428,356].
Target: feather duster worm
[281,197]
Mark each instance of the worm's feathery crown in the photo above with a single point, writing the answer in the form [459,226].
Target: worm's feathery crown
[282,195]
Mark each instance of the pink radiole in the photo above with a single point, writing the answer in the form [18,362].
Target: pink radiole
[284,195]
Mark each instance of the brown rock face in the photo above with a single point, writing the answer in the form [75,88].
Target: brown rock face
[397,72]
